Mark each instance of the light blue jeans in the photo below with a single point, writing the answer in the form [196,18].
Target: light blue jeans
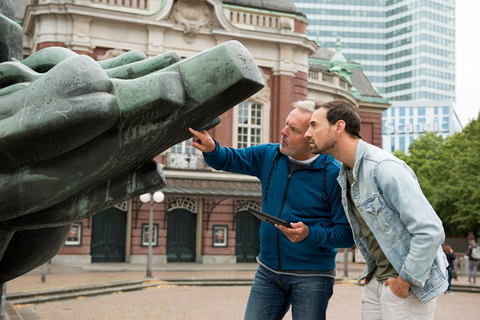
[272,294]
[379,303]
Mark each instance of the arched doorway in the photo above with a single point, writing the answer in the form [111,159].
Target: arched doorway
[109,230]
[247,241]
[181,235]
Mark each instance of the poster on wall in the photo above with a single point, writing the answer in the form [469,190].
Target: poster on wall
[220,236]
[146,234]
[75,235]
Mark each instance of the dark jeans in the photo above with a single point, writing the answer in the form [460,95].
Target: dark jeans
[272,294]
[449,278]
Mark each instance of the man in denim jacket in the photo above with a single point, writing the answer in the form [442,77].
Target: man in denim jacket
[394,225]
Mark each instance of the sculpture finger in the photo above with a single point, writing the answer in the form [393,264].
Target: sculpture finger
[149,98]
[46,59]
[12,74]
[123,59]
[144,67]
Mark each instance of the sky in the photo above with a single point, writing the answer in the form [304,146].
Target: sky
[468,66]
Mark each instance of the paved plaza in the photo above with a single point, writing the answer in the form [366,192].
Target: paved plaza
[166,301]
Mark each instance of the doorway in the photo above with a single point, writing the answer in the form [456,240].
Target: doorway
[109,230]
[247,240]
[181,235]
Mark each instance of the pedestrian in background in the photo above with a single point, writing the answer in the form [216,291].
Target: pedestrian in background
[473,253]
[451,270]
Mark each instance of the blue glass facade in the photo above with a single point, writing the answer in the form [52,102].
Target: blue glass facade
[406,47]
[406,120]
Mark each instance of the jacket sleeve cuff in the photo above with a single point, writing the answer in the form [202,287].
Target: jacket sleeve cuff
[405,275]
[309,239]
[215,158]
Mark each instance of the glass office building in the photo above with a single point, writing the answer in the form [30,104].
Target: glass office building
[406,47]
[406,120]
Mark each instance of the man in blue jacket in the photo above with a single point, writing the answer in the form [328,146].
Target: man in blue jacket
[395,227]
[297,264]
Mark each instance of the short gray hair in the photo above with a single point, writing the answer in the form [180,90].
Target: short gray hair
[305,105]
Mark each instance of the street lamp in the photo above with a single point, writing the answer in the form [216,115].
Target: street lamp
[145,198]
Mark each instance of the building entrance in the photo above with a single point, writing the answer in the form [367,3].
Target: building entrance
[247,241]
[109,230]
[181,235]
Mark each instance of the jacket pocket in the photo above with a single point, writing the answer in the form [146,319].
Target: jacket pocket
[377,214]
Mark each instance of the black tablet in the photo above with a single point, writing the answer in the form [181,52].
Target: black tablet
[268,218]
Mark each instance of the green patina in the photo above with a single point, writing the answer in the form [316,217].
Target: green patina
[78,136]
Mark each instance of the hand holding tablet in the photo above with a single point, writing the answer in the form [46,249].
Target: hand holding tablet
[269,218]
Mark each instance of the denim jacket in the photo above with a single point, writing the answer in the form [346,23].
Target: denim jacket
[388,197]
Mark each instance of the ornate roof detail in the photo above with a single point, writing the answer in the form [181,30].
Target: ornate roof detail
[338,63]
[193,15]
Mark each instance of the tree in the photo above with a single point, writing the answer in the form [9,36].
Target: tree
[448,171]
[458,199]
[423,159]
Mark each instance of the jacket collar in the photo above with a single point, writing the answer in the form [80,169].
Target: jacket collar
[359,153]
[319,163]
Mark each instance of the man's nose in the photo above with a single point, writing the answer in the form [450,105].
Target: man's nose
[307,134]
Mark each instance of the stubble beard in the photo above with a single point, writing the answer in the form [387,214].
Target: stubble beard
[326,148]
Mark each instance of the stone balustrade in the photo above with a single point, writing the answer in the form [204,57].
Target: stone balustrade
[328,79]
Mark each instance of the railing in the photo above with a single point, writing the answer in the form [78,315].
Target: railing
[137,4]
[184,161]
[254,19]
[247,20]
[328,79]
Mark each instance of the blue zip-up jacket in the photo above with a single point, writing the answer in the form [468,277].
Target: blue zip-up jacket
[293,197]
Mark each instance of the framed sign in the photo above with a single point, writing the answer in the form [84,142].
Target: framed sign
[75,235]
[146,234]
[220,236]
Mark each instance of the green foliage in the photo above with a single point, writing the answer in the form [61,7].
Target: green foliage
[448,171]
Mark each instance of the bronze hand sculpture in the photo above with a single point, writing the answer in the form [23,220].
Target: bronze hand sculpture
[78,136]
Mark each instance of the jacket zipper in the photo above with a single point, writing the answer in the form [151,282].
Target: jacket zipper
[283,205]
[280,216]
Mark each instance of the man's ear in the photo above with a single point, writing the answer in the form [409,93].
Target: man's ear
[339,127]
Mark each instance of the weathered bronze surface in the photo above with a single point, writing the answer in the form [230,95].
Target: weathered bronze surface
[78,136]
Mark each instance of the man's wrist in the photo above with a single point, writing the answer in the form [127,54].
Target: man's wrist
[404,283]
